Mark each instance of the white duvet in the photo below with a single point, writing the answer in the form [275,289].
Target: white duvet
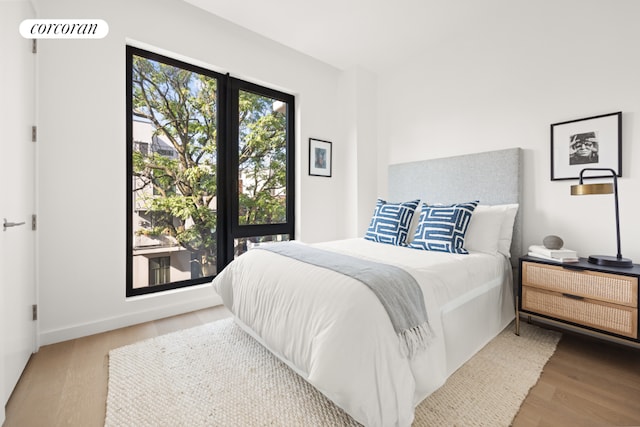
[333,331]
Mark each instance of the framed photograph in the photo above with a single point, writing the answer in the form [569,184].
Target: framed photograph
[319,157]
[593,142]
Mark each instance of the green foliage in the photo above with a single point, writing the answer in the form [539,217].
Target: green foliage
[178,187]
[262,161]
[180,190]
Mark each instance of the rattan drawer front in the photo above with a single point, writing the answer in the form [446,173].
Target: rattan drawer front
[613,318]
[613,288]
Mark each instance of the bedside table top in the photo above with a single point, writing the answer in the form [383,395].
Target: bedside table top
[583,264]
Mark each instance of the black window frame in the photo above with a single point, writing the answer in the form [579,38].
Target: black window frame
[236,230]
[227,168]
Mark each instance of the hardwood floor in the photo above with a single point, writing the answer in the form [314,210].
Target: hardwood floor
[585,383]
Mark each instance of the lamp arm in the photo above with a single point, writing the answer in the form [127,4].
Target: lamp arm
[613,173]
[615,197]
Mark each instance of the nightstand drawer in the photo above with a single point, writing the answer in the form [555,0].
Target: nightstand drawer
[618,319]
[614,288]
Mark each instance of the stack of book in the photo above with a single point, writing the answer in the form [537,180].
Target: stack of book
[559,255]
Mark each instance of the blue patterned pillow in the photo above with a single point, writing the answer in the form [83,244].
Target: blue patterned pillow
[391,221]
[442,228]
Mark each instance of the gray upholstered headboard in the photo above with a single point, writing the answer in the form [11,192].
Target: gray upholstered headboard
[493,177]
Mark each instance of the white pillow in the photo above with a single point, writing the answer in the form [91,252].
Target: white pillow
[414,223]
[506,231]
[484,229]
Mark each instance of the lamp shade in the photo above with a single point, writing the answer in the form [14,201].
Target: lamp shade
[588,189]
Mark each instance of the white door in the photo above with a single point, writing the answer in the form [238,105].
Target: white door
[17,197]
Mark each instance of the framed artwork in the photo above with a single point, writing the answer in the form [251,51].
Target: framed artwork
[319,157]
[594,142]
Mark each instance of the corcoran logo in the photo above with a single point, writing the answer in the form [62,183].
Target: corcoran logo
[64,28]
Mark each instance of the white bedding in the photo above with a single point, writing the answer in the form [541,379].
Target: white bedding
[333,331]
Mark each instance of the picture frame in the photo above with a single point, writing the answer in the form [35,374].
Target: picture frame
[320,157]
[590,142]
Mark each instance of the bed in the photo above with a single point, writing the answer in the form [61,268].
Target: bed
[334,332]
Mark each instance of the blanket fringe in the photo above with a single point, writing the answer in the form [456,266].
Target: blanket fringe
[415,339]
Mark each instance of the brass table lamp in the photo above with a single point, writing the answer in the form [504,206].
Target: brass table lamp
[588,189]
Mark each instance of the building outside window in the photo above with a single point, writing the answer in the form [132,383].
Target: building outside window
[159,270]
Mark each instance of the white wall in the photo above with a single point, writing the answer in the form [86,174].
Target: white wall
[534,64]
[81,186]
[358,97]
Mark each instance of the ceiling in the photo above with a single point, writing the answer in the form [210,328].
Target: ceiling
[345,33]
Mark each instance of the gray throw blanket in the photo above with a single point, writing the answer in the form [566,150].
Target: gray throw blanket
[396,289]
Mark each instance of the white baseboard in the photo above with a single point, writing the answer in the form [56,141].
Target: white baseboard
[128,319]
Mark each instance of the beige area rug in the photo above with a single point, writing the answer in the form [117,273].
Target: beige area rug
[217,375]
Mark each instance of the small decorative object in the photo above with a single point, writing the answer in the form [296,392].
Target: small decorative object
[552,242]
[319,157]
[594,141]
[588,189]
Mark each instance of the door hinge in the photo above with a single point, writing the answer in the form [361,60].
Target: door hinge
[34,222]
[34,45]
[34,133]
[34,310]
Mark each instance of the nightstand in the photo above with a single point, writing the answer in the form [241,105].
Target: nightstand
[580,296]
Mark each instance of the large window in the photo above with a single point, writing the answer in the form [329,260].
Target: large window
[210,171]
